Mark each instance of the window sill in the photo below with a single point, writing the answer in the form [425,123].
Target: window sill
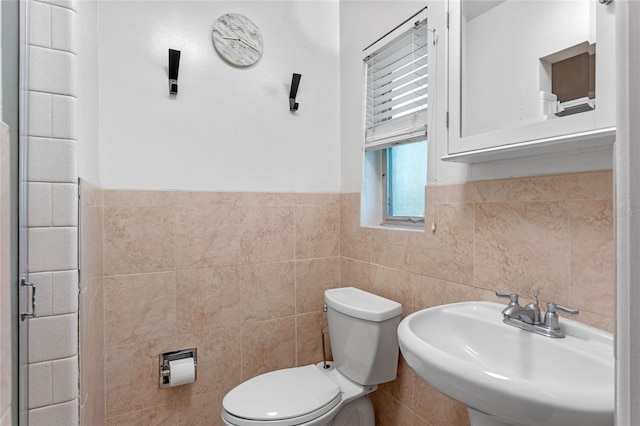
[402,228]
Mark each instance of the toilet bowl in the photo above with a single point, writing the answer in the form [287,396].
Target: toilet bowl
[363,333]
[309,395]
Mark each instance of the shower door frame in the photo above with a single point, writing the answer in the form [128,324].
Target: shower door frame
[26,296]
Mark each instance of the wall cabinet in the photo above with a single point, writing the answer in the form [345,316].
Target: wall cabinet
[529,77]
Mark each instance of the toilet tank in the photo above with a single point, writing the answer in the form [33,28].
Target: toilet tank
[363,334]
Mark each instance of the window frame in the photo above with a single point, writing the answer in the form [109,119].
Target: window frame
[409,221]
[407,128]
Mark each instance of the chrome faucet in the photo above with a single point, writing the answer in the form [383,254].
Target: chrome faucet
[529,317]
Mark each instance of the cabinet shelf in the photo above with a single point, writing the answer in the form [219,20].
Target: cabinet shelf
[577,142]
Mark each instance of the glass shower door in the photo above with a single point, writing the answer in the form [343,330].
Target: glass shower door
[14,114]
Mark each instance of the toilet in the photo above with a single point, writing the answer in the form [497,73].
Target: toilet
[364,342]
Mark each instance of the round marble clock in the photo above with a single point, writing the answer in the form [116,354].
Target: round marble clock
[237,39]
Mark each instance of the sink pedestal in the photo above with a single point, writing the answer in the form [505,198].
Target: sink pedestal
[476,418]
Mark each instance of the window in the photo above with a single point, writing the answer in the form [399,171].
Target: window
[405,175]
[396,116]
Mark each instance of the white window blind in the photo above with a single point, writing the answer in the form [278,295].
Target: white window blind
[396,86]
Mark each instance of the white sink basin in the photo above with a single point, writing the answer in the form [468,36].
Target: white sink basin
[508,376]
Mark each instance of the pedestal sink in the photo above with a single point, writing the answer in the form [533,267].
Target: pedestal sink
[508,376]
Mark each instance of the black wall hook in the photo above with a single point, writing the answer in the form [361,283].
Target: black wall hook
[174,64]
[295,82]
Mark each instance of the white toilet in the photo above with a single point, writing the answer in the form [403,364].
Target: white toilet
[364,342]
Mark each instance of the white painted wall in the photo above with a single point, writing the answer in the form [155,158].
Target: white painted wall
[87,112]
[627,183]
[229,129]
[361,23]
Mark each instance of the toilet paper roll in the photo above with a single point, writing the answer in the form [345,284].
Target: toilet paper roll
[183,371]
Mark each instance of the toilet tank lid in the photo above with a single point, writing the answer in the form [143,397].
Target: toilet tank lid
[361,304]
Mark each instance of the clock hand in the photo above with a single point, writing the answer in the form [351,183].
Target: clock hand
[249,44]
[241,40]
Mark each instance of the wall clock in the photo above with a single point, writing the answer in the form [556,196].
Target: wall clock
[237,39]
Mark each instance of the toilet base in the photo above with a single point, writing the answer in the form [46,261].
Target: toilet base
[358,412]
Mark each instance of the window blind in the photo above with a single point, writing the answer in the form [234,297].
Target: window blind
[396,86]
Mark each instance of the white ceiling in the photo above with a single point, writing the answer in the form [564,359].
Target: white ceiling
[474,8]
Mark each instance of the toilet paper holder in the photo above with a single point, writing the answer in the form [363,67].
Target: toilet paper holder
[165,357]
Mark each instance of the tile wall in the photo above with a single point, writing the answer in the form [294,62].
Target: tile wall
[240,276]
[91,302]
[53,213]
[552,233]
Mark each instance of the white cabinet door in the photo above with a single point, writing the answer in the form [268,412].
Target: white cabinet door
[501,56]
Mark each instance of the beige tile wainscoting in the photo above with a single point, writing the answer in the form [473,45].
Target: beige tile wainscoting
[239,276]
[242,275]
[91,302]
[552,233]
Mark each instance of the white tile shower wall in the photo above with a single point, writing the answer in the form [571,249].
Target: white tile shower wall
[53,214]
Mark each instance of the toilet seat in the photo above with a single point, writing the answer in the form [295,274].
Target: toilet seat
[284,397]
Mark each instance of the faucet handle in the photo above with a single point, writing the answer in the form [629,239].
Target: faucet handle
[513,297]
[552,307]
[551,317]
